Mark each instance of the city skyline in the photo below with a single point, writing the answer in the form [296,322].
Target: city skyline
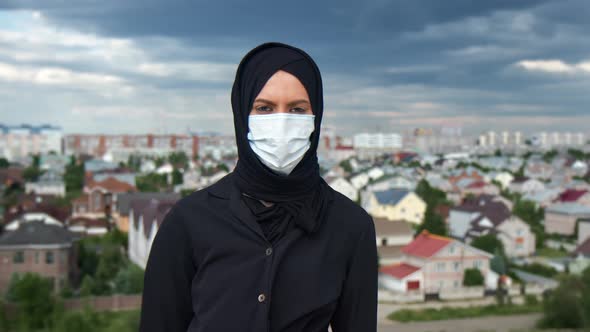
[129,68]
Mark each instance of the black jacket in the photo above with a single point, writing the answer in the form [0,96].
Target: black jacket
[210,269]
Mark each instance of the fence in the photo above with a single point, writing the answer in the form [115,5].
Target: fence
[399,297]
[461,293]
[116,302]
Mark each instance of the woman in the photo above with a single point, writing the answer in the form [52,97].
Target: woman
[270,247]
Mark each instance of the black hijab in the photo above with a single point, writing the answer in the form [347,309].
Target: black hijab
[302,196]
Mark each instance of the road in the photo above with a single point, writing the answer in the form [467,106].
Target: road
[483,324]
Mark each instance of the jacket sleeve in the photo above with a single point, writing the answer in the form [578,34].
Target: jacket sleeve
[357,307]
[166,301]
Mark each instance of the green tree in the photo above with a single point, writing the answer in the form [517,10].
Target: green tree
[498,262]
[345,164]
[433,197]
[549,155]
[472,277]
[33,171]
[177,177]
[178,159]
[80,320]
[129,279]
[532,215]
[578,154]
[430,195]
[109,263]
[433,223]
[66,292]
[4,322]
[151,182]
[33,295]
[134,162]
[4,163]
[87,258]
[74,176]
[488,243]
[87,286]
[563,307]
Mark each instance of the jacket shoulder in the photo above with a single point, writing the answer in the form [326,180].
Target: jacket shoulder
[349,214]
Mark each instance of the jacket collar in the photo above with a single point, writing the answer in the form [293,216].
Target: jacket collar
[222,188]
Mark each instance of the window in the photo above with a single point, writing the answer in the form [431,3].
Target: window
[440,267]
[519,246]
[19,257]
[477,264]
[96,202]
[519,232]
[403,210]
[456,266]
[384,241]
[455,284]
[49,257]
[452,249]
[62,257]
[36,257]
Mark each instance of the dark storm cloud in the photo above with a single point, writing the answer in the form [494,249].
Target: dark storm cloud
[464,57]
[208,20]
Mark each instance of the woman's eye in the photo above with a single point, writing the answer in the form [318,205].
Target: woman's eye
[263,109]
[299,110]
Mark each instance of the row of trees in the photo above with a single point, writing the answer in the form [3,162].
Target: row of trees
[39,310]
[433,222]
[568,306]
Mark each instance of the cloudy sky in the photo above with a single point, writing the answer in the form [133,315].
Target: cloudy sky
[136,66]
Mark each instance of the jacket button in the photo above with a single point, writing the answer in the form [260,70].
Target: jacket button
[268,251]
[261,298]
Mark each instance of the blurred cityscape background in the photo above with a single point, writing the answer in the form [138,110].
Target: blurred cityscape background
[462,128]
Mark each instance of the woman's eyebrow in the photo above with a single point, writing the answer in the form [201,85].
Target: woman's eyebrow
[261,100]
[300,101]
[295,102]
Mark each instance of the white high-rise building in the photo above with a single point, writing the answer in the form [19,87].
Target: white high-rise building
[17,142]
[377,141]
[555,139]
[505,138]
[368,144]
[517,138]
[492,138]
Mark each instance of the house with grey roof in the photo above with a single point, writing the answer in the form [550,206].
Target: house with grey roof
[391,237]
[145,218]
[39,247]
[124,201]
[49,183]
[487,214]
[562,218]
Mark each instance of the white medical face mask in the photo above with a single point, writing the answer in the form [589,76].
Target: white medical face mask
[280,140]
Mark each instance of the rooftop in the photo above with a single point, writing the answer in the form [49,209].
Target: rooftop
[569,209]
[426,244]
[399,271]
[37,233]
[391,196]
[384,226]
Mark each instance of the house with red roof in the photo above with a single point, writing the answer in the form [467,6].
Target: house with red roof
[574,196]
[433,263]
[99,197]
